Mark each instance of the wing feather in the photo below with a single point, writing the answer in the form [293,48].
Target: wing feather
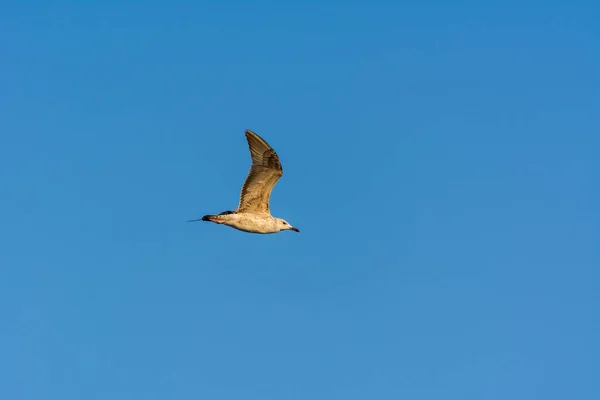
[263,175]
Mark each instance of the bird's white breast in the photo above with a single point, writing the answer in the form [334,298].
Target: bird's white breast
[255,223]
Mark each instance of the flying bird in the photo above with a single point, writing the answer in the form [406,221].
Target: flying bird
[253,214]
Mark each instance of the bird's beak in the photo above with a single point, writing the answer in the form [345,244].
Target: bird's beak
[295,229]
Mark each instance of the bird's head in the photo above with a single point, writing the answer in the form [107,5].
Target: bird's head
[284,225]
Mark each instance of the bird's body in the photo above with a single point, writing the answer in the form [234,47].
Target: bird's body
[253,213]
[247,222]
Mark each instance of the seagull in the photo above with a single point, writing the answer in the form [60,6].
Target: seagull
[253,214]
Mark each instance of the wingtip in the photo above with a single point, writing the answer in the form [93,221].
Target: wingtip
[205,218]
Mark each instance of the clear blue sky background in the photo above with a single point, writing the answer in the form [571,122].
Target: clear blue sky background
[440,160]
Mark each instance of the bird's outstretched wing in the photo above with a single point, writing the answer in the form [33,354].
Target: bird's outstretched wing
[264,174]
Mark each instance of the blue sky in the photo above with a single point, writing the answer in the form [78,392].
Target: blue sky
[440,160]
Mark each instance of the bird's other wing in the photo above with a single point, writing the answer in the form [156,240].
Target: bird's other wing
[264,174]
